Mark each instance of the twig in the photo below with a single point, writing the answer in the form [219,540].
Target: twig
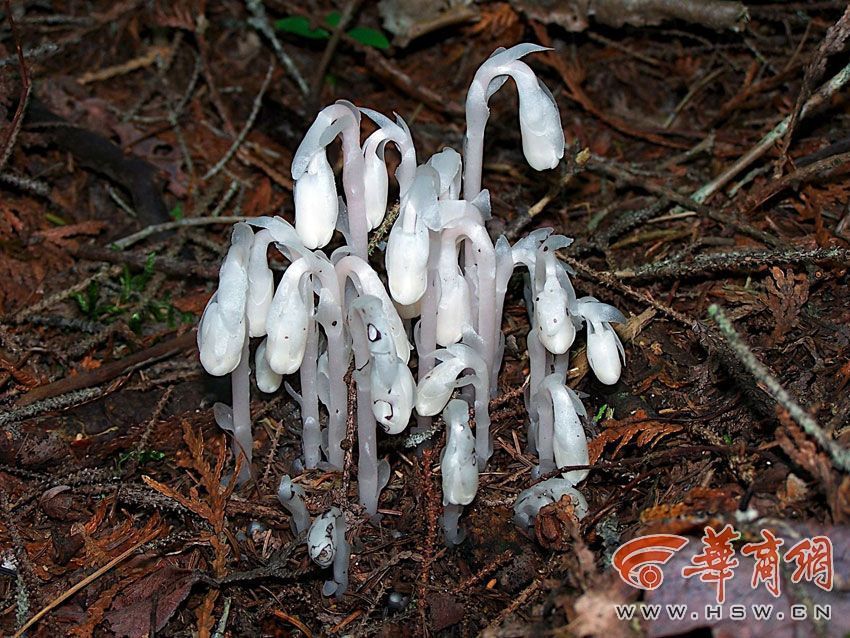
[350,435]
[821,96]
[737,261]
[260,22]
[26,88]
[255,109]
[85,582]
[9,417]
[142,259]
[109,371]
[351,8]
[575,165]
[383,229]
[840,456]
[129,240]
[821,169]
[619,172]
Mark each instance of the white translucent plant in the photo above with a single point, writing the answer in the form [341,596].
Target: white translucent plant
[435,390]
[561,441]
[553,298]
[375,176]
[529,502]
[316,200]
[459,468]
[291,496]
[605,352]
[327,545]
[539,120]
[223,327]
[408,244]
[223,344]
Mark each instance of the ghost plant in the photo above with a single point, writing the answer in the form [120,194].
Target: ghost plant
[327,314]
[459,468]
[385,393]
[327,546]
[529,502]
[223,344]
[316,203]
[539,120]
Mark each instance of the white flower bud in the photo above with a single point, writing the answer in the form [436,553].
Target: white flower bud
[267,379]
[554,327]
[222,329]
[458,464]
[287,321]
[540,125]
[322,538]
[407,262]
[392,403]
[454,310]
[603,352]
[376,180]
[570,441]
[435,390]
[316,202]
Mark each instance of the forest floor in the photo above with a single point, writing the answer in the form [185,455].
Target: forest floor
[707,164]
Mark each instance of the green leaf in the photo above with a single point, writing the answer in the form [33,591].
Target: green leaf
[176,212]
[600,414]
[299,25]
[333,18]
[370,37]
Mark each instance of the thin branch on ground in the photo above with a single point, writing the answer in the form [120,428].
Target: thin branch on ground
[840,456]
[255,109]
[26,88]
[260,22]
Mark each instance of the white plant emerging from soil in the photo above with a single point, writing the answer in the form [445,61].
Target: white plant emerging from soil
[446,286]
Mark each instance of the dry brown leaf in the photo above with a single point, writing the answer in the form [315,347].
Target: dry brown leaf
[639,427]
[786,294]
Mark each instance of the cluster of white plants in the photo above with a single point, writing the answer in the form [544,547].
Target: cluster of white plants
[445,289]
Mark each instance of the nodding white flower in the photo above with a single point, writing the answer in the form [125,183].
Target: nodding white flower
[540,125]
[291,496]
[393,394]
[435,389]
[375,169]
[408,245]
[322,538]
[267,379]
[392,386]
[449,166]
[316,202]
[605,352]
[569,441]
[260,284]
[376,180]
[222,330]
[458,463]
[539,120]
[554,295]
[529,502]
[288,318]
